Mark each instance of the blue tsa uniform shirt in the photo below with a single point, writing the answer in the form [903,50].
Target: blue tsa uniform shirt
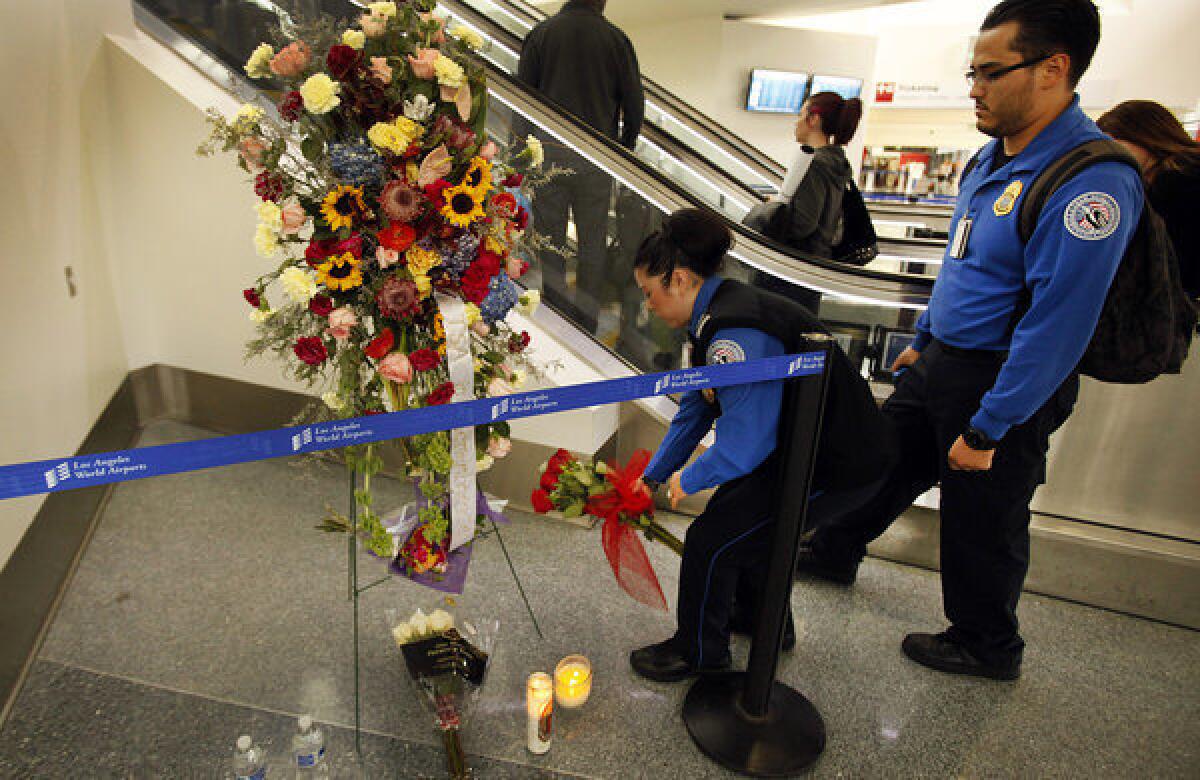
[1066,267]
[748,421]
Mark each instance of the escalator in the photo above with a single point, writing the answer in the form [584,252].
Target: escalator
[1094,516]
[725,172]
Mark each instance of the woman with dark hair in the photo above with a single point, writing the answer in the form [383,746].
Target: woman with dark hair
[1170,163]
[726,548]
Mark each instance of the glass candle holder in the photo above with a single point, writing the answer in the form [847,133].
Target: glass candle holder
[539,707]
[573,681]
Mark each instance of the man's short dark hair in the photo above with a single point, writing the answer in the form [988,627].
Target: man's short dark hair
[1071,27]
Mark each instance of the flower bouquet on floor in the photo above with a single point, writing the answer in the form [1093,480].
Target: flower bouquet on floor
[616,495]
[447,663]
[394,231]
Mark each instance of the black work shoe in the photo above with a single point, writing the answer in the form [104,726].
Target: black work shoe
[938,651]
[809,562]
[739,624]
[664,663]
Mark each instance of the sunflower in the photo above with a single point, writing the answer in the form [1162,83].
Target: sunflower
[340,272]
[479,176]
[463,205]
[343,206]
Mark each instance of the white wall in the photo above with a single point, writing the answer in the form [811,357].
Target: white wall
[707,62]
[63,356]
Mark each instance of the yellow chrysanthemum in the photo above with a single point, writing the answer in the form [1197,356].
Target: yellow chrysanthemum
[343,272]
[439,333]
[420,260]
[343,206]
[463,206]
[479,176]
[395,137]
[448,72]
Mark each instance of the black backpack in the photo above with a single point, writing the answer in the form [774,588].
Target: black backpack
[1146,325]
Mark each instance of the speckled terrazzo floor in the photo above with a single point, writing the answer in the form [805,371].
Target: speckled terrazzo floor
[206,607]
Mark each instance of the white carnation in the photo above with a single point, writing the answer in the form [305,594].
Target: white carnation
[385,10]
[529,301]
[402,633]
[270,215]
[419,108]
[419,623]
[467,36]
[518,379]
[537,155]
[266,241]
[355,39]
[298,285]
[441,620]
[333,401]
[259,316]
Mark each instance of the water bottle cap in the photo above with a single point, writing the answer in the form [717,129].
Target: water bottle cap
[305,722]
[244,742]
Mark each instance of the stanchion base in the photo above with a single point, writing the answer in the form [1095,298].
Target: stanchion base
[789,738]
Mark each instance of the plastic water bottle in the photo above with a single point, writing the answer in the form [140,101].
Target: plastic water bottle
[308,749]
[249,760]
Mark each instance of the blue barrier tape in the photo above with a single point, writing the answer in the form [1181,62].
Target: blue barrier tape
[49,476]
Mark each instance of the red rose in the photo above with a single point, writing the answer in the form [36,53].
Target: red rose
[489,262]
[425,359]
[521,221]
[380,345]
[440,395]
[398,299]
[397,236]
[434,191]
[320,305]
[251,296]
[311,350]
[342,60]
[291,107]
[541,501]
[549,480]
[513,180]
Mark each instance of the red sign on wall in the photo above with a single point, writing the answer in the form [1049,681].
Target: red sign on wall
[885,91]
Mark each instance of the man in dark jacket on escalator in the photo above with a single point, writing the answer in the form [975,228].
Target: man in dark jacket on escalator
[586,65]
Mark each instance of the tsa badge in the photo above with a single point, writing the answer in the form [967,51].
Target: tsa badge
[1008,199]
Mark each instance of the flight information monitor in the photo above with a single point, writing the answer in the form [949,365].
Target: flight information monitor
[777,91]
[843,85]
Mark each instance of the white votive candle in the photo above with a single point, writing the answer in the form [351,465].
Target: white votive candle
[539,706]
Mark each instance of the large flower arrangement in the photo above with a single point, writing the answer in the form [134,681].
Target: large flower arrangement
[392,219]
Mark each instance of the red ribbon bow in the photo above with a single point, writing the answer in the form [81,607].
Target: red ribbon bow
[624,550]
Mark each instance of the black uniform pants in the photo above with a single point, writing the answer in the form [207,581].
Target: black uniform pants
[726,553]
[586,193]
[984,515]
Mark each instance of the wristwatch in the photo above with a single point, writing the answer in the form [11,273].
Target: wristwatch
[978,440]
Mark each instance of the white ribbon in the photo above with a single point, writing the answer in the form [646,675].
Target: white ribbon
[461,365]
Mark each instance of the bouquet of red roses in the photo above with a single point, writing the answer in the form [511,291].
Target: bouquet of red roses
[616,495]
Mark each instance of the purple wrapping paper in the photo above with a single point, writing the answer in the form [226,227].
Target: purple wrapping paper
[404,521]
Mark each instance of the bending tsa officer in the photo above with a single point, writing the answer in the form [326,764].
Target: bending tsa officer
[726,549]
[991,373]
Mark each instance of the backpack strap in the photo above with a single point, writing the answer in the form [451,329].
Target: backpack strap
[970,166]
[1063,170]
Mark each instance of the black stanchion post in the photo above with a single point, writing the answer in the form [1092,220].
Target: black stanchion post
[747,721]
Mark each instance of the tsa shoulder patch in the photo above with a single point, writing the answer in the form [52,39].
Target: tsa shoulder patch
[1093,216]
[725,351]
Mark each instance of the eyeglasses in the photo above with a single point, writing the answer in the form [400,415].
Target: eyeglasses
[987,77]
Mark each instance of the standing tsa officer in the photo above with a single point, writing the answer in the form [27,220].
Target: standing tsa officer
[727,547]
[991,373]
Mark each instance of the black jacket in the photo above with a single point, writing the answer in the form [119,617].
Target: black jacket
[586,64]
[815,210]
[857,445]
[1174,195]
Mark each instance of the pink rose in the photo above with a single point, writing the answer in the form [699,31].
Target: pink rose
[422,64]
[499,446]
[480,328]
[293,215]
[386,257]
[514,266]
[292,60]
[498,387]
[341,320]
[372,26]
[395,367]
[381,70]
[488,150]
[252,151]
[439,37]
